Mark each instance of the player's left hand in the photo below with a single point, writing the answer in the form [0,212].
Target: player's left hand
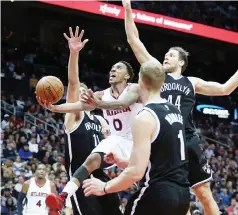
[93,186]
[75,41]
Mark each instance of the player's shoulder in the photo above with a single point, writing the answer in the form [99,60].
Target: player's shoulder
[192,79]
[132,86]
[26,185]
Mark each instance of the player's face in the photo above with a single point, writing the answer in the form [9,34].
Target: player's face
[41,172]
[82,90]
[118,73]
[171,61]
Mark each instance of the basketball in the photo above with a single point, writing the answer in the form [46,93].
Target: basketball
[50,88]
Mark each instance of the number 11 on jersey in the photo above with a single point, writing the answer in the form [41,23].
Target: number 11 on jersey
[96,140]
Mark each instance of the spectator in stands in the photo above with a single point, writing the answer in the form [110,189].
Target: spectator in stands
[9,208]
[5,121]
[33,146]
[9,152]
[32,82]
[5,194]
[24,153]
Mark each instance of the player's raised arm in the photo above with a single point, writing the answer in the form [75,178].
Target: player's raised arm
[75,46]
[132,34]
[138,163]
[22,197]
[128,98]
[210,88]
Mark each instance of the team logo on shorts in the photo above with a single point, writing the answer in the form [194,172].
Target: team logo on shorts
[207,168]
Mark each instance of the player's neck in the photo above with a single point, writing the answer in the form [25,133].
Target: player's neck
[152,97]
[176,73]
[40,181]
[117,89]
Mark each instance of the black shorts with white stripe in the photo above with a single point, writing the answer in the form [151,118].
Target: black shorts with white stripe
[161,198]
[199,170]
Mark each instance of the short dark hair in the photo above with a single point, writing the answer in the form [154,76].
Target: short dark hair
[129,70]
[183,55]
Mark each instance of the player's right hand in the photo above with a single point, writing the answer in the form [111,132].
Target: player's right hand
[47,105]
[89,98]
[126,4]
[74,41]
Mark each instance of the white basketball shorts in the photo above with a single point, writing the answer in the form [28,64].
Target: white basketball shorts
[117,145]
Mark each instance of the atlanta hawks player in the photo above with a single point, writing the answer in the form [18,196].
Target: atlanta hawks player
[31,199]
[120,121]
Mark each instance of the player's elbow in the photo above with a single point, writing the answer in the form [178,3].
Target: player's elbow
[224,91]
[137,175]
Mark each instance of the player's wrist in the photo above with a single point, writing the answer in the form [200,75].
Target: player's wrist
[74,53]
[104,189]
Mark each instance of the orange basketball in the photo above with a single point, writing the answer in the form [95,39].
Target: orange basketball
[50,88]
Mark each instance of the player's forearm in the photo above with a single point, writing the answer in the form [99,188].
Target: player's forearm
[71,107]
[116,105]
[73,71]
[130,26]
[231,84]
[125,180]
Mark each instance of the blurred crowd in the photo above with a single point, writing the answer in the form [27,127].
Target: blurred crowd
[217,14]
[26,143]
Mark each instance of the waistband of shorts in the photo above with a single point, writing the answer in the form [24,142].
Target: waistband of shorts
[172,184]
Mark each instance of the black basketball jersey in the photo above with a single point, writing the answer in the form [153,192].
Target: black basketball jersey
[181,93]
[81,141]
[168,158]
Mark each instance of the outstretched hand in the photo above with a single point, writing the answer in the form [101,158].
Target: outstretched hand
[89,98]
[74,41]
[126,4]
[47,105]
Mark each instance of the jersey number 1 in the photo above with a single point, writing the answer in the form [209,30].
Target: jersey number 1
[182,146]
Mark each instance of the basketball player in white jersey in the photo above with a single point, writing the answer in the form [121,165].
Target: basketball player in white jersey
[31,199]
[120,141]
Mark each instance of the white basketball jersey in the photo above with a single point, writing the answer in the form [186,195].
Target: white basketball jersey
[35,202]
[120,121]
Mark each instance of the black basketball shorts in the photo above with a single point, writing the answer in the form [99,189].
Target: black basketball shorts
[199,170]
[96,205]
[162,198]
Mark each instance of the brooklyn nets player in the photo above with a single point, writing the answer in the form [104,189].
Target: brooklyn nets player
[181,91]
[31,199]
[83,132]
[158,159]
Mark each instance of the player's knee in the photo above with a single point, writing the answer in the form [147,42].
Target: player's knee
[93,162]
[203,193]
